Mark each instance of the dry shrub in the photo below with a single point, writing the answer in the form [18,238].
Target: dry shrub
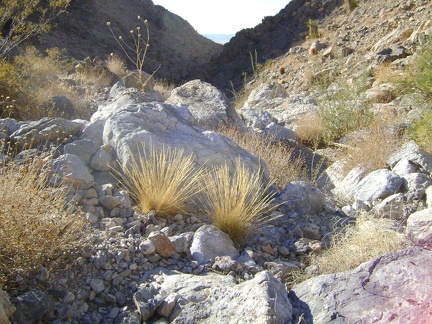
[371,148]
[310,131]
[364,241]
[283,165]
[35,229]
[117,65]
[164,180]
[237,203]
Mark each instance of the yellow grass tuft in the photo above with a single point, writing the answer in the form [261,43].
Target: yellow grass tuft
[162,179]
[237,204]
[367,239]
[283,165]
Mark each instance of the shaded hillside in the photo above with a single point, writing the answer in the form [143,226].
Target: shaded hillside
[174,43]
[270,39]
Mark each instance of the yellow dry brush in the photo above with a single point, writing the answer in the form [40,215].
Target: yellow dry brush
[162,179]
[238,202]
[167,181]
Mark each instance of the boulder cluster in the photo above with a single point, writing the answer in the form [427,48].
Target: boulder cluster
[142,268]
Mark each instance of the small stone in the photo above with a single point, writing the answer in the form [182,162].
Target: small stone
[113,313]
[147,247]
[110,202]
[284,251]
[267,249]
[69,298]
[165,309]
[97,285]
[91,218]
[111,299]
[164,247]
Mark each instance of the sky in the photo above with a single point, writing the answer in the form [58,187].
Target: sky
[223,16]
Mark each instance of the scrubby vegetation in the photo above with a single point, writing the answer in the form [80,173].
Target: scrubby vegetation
[162,179]
[367,239]
[284,166]
[36,231]
[237,200]
[21,20]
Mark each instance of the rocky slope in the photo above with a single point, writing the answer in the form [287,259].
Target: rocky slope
[174,43]
[140,268]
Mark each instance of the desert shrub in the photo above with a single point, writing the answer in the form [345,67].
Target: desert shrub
[11,87]
[237,201]
[284,166]
[371,147]
[344,108]
[420,73]
[137,52]
[421,131]
[352,4]
[35,229]
[162,179]
[311,131]
[313,28]
[116,65]
[367,239]
[20,20]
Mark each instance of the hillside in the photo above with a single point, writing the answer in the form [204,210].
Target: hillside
[174,43]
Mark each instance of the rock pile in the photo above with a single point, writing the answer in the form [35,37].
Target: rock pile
[138,267]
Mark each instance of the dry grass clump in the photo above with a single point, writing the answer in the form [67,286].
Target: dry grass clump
[371,149]
[164,180]
[364,241]
[35,230]
[237,203]
[117,65]
[311,131]
[284,166]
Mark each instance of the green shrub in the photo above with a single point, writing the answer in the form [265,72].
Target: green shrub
[344,108]
[421,131]
[421,71]
[23,19]
[313,28]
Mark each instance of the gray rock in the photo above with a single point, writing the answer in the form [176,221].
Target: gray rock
[391,207]
[217,299]
[404,167]
[132,125]
[346,188]
[414,154]
[6,307]
[416,184]
[97,285]
[378,184]
[53,130]
[386,289]
[102,160]
[391,54]
[182,241]
[208,106]
[419,227]
[147,247]
[301,197]
[110,202]
[32,306]
[428,193]
[69,169]
[210,242]
[256,118]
